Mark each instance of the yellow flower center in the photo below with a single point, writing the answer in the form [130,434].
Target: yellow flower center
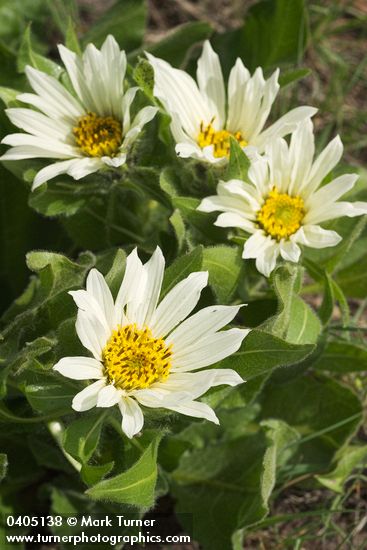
[281,215]
[219,139]
[98,136]
[133,359]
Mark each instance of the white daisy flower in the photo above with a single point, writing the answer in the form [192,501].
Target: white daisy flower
[145,353]
[283,201]
[204,117]
[88,129]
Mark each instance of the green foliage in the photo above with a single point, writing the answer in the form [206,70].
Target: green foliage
[296,419]
[272,33]
[81,437]
[136,485]
[125,20]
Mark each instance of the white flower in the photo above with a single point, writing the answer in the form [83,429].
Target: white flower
[283,201]
[202,124]
[87,130]
[145,353]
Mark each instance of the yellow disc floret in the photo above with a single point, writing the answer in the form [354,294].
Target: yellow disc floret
[133,359]
[281,215]
[98,136]
[219,139]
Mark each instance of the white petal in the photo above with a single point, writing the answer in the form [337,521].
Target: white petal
[229,219]
[195,384]
[90,305]
[315,236]
[280,166]
[132,416]
[207,350]
[127,100]
[46,147]
[332,191]
[238,79]
[178,303]
[115,162]
[97,287]
[283,126]
[144,116]
[51,171]
[130,289]
[153,277]
[205,321]
[269,92]
[186,150]
[289,251]
[335,210]
[54,93]
[225,203]
[84,166]
[87,398]
[39,124]
[196,409]
[254,245]
[31,151]
[265,263]
[159,397]
[91,333]
[228,377]
[180,95]
[79,368]
[211,83]
[108,396]
[74,66]
[301,152]
[259,174]
[323,165]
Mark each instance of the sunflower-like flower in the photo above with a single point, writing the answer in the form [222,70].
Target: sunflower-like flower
[145,353]
[283,202]
[87,128]
[203,119]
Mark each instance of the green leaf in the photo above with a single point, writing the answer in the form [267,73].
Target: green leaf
[181,268]
[48,454]
[231,481]
[136,485]
[225,266]
[353,279]
[92,473]
[144,77]
[116,273]
[81,436]
[55,202]
[347,459]
[342,357]
[295,322]
[125,20]
[20,236]
[3,465]
[51,398]
[71,37]
[174,47]
[201,221]
[9,96]
[261,352]
[179,228]
[273,33]
[320,275]
[238,162]
[292,76]
[27,56]
[323,411]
